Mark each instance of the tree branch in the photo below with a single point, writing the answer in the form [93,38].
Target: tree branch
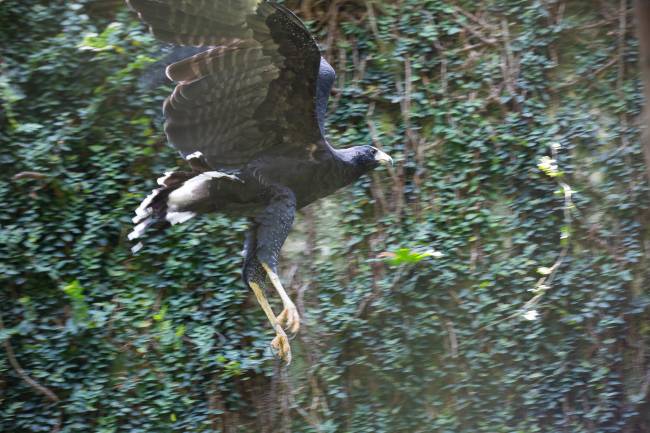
[643,31]
[21,372]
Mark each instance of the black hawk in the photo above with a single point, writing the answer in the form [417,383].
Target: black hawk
[248,115]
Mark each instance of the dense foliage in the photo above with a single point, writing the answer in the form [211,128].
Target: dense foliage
[494,281]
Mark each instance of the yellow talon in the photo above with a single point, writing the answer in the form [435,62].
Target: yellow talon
[290,319]
[281,344]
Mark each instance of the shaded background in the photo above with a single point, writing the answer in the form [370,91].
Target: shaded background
[494,280]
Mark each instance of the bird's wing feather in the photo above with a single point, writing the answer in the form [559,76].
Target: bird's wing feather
[196,22]
[254,93]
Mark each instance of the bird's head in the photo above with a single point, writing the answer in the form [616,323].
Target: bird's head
[369,157]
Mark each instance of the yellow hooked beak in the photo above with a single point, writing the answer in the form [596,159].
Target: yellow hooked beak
[383,158]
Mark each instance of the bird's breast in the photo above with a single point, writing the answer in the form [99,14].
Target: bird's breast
[309,180]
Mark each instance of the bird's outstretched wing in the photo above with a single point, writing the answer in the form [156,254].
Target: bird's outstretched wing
[256,91]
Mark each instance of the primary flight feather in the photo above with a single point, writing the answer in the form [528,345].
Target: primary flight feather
[248,115]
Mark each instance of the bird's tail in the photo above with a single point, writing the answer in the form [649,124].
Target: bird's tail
[180,197]
[154,210]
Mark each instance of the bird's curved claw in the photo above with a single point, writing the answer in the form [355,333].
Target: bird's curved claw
[281,344]
[290,319]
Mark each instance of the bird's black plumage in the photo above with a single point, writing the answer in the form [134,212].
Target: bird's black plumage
[248,114]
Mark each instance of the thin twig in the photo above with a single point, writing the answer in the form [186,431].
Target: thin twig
[453,339]
[475,18]
[642,13]
[22,373]
[474,32]
[379,193]
[29,175]
[373,24]
[588,76]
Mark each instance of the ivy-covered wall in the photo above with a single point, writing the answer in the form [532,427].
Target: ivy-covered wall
[494,280]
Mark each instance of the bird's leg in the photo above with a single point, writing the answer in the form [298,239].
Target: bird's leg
[280,342]
[268,231]
[271,228]
[289,317]
[255,277]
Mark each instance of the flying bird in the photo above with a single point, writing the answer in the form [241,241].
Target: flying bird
[248,115]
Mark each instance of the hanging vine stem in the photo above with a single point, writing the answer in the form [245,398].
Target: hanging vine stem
[22,373]
[43,390]
[550,167]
